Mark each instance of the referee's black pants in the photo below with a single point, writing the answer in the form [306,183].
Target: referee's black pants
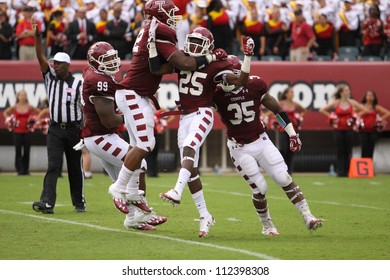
[59,141]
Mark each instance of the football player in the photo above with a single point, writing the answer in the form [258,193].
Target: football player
[195,92]
[139,86]
[251,148]
[100,128]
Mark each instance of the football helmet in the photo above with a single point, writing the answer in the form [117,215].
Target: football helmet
[102,57]
[199,42]
[164,11]
[236,69]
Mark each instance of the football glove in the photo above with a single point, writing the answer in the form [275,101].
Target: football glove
[295,143]
[79,146]
[247,45]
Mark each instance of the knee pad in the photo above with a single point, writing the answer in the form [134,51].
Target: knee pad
[249,169]
[281,177]
[247,165]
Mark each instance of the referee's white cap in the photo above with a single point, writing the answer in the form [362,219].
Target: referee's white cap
[61,57]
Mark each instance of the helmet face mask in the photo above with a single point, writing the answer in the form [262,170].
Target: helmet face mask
[164,11]
[102,57]
[199,42]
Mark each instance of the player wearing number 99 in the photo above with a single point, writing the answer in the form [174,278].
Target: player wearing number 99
[196,89]
[100,127]
[250,147]
[140,84]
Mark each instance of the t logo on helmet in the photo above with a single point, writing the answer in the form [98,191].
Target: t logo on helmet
[160,5]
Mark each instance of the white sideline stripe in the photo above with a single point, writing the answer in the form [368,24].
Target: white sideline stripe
[311,201]
[244,252]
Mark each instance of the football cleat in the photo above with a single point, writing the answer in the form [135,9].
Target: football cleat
[138,221]
[155,220]
[312,223]
[119,199]
[269,229]
[172,197]
[138,201]
[205,224]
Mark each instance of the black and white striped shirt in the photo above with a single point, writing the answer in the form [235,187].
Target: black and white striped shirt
[64,97]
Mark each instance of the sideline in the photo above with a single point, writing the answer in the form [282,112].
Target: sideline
[218,247]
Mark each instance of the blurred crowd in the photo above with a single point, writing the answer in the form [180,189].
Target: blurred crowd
[282,29]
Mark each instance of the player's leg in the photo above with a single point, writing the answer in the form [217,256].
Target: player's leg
[273,164]
[139,117]
[111,149]
[193,130]
[196,189]
[243,158]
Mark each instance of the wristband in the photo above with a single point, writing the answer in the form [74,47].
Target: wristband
[201,62]
[154,64]
[246,64]
[282,119]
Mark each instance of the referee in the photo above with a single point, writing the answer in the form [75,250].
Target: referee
[64,95]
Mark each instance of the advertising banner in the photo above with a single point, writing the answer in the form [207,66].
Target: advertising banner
[314,84]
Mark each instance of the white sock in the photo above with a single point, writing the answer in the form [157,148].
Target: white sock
[303,207]
[131,213]
[200,203]
[184,176]
[132,186]
[123,177]
[264,217]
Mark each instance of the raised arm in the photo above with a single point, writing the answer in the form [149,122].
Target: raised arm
[248,46]
[43,62]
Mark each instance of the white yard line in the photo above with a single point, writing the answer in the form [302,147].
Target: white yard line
[213,246]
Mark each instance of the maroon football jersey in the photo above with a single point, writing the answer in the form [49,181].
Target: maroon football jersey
[196,88]
[138,77]
[95,85]
[240,109]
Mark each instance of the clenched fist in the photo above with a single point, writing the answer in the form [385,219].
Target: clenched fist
[295,143]
[248,45]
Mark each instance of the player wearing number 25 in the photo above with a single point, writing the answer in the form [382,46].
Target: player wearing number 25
[196,90]
[138,87]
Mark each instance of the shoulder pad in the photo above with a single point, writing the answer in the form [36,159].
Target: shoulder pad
[165,33]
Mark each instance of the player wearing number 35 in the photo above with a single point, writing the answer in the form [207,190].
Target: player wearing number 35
[251,148]
[139,86]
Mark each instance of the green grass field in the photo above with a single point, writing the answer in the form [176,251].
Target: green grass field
[356,214]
